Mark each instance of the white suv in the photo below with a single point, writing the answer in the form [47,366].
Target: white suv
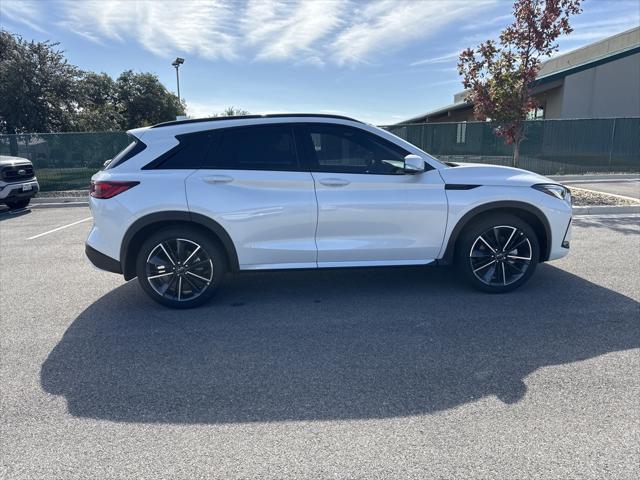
[188,201]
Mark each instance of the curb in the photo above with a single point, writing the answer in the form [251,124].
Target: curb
[588,178]
[606,209]
[58,202]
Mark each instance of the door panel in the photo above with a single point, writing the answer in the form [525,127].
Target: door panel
[370,212]
[379,219]
[252,184]
[270,216]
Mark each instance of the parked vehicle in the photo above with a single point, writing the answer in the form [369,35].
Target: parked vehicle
[189,200]
[18,182]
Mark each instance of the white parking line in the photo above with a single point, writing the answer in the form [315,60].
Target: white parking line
[60,228]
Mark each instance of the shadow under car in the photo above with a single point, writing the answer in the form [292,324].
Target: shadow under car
[332,344]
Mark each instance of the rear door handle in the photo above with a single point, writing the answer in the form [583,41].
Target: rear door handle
[334,182]
[213,179]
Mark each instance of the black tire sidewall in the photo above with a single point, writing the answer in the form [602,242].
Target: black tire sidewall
[15,204]
[478,227]
[210,247]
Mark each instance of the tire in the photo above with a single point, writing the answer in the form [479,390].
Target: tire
[16,204]
[484,261]
[180,267]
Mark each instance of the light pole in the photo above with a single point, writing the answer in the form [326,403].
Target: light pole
[176,63]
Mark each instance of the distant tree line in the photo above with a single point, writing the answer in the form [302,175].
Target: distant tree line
[40,91]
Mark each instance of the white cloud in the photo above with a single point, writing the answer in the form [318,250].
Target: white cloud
[483,24]
[27,12]
[390,24]
[204,109]
[282,29]
[448,58]
[306,32]
[201,27]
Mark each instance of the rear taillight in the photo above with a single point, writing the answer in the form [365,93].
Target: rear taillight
[108,189]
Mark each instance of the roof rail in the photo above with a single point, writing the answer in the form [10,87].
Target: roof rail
[245,117]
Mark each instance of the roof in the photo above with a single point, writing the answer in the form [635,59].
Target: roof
[249,117]
[449,108]
[611,48]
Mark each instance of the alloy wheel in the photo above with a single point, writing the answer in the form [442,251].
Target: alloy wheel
[501,255]
[179,269]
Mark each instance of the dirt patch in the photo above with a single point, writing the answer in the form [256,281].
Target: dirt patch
[585,198]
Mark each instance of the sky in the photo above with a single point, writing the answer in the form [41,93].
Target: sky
[381,61]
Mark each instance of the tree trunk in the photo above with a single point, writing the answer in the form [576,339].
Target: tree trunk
[516,153]
[13,145]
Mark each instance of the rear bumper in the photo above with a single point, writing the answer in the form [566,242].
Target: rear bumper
[102,261]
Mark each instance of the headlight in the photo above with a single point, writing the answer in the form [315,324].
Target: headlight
[555,190]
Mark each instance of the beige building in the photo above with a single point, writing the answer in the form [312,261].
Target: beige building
[601,80]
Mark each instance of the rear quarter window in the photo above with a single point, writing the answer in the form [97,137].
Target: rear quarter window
[188,154]
[130,151]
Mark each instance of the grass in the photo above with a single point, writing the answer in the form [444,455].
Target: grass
[51,179]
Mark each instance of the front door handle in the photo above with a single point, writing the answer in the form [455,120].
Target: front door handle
[216,179]
[334,182]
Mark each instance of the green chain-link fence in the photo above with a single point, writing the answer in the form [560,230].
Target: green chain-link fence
[550,147]
[65,161]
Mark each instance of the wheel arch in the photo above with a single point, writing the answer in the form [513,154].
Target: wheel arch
[527,212]
[145,226]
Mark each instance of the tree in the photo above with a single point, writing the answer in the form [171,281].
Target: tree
[499,75]
[231,112]
[97,109]
[41,92]
[143,100]
[37,87]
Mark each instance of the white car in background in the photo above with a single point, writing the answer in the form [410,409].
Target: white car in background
[188,201]
[18,182]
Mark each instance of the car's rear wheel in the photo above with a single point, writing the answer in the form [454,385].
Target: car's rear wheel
[16,204]
[180,268]
[498,253]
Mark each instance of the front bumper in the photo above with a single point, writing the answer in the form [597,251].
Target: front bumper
[102,261]
[15,191]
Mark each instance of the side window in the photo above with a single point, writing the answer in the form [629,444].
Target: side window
[343,149]
[188,154]
[265,147]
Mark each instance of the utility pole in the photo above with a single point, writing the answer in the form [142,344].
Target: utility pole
[176,63]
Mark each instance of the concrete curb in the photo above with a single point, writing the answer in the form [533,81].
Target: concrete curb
[59,202]
[605,209]
[58,205]
[608,177]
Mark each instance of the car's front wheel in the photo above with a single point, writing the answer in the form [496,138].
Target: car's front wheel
[498,253]
[180,268]
[16,204]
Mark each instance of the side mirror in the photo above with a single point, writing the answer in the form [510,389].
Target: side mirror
[413,164]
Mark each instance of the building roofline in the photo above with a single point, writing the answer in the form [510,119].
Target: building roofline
[586,65]
[558,74]
[447,108]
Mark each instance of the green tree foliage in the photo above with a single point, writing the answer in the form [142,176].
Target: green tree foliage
[98,106]
[38,87]
[145,101]
[41,92]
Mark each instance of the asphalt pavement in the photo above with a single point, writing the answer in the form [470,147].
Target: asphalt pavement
[395,373]
[626,187]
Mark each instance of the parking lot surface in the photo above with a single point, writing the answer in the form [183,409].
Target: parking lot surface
[362,373]
[625,187]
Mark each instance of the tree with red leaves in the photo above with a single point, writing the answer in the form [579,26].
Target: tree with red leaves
[498,75]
